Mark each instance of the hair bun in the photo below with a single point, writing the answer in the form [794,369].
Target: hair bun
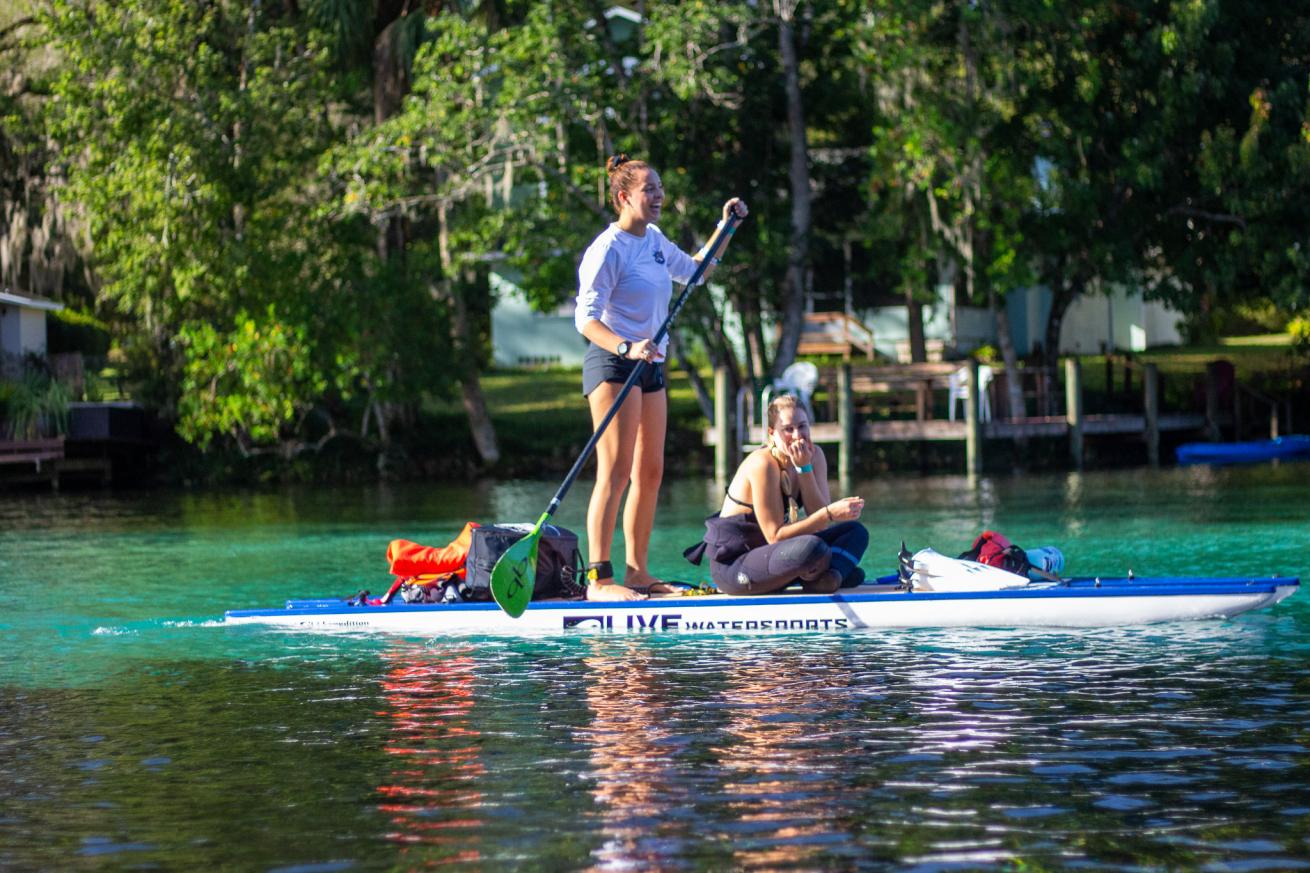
[615,161]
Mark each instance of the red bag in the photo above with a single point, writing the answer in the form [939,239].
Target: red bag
[995,550]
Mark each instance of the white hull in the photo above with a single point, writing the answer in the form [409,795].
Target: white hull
[1084,603]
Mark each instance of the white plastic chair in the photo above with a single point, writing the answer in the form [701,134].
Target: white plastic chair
[799,379]
[959,383]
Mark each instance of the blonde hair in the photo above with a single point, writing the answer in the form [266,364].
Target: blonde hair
[776,406]
[622,171]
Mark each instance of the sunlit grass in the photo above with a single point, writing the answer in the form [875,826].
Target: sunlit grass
[1266,339]
[541,417]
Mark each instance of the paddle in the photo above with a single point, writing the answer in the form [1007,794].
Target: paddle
[515,574]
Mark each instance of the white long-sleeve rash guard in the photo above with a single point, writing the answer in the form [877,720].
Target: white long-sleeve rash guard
[626,282]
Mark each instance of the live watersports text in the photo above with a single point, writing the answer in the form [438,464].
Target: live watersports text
[675,622]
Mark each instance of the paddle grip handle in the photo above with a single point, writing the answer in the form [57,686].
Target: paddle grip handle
[590,447]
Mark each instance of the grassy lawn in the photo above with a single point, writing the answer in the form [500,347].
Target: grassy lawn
[542,420]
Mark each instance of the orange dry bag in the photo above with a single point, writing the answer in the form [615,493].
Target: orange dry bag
[411,559]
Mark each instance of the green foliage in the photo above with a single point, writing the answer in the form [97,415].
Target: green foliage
[34,406]
[253,298]
[249,381]
[1299,330]
[76,330]
[952,167]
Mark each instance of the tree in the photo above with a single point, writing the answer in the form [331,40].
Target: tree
[38,232]
[1157,165]
[190,135]
[1233,176]
[949,81]
[738,69]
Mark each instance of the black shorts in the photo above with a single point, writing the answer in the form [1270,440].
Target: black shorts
[599,365]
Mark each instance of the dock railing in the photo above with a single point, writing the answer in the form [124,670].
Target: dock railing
[870,403]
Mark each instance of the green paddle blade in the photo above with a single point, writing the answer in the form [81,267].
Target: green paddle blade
[515,574]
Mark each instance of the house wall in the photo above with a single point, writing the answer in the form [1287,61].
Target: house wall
[891,333]
[1121,319]
[1134,324]
[523,337]
[22,330]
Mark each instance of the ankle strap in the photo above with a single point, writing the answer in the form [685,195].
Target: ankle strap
[600,570]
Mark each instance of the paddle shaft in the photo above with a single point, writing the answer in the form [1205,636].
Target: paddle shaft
[637,370]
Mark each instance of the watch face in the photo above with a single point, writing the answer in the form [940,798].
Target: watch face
[623,348]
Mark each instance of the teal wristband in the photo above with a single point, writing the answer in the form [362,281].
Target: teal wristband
[808,468]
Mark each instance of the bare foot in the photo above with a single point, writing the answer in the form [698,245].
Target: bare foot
[646,582]
[612,591]
[827,582]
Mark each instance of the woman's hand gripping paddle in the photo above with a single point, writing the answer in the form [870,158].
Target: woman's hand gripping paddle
[515,574]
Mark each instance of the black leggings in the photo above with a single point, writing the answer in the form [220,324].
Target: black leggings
[803,559]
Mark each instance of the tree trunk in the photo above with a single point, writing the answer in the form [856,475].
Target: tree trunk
[464,344]
[798,174]
[747,307]
[470,385]
[1063,293]
[703,398]
[390,83]
[390,78]
[759,347]
[914,319]
[1013,378]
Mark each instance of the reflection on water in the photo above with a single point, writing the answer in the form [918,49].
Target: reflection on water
[433,739]
[782,781]
[1174,747]
[633,749]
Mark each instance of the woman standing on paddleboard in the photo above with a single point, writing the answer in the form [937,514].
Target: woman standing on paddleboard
[625,282]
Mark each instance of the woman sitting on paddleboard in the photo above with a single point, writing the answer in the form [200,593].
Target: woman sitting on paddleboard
[760,542]
[625,282]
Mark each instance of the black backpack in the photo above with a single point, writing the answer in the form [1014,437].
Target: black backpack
[559,563]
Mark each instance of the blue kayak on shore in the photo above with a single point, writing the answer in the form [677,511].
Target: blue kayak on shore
[1252,451]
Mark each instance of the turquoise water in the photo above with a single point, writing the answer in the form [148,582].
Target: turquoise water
[136,731]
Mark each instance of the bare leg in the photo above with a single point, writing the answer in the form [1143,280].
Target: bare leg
[644,495]
[614,454]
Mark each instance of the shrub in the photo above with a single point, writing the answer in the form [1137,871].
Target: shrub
[34,406]
[1299,330]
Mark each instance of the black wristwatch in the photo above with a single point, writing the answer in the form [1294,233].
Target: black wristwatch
[623,349]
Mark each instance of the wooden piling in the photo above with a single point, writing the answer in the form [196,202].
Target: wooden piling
[846,422]
[972,423]
[1073,408]
[1212,401]
[1151,405]
[723,429]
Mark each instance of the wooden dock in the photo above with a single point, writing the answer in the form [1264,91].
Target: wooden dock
[44,460]
[35,452]
[738,428]
[101,435]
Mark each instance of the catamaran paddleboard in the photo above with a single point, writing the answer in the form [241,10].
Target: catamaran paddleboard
[885,603]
